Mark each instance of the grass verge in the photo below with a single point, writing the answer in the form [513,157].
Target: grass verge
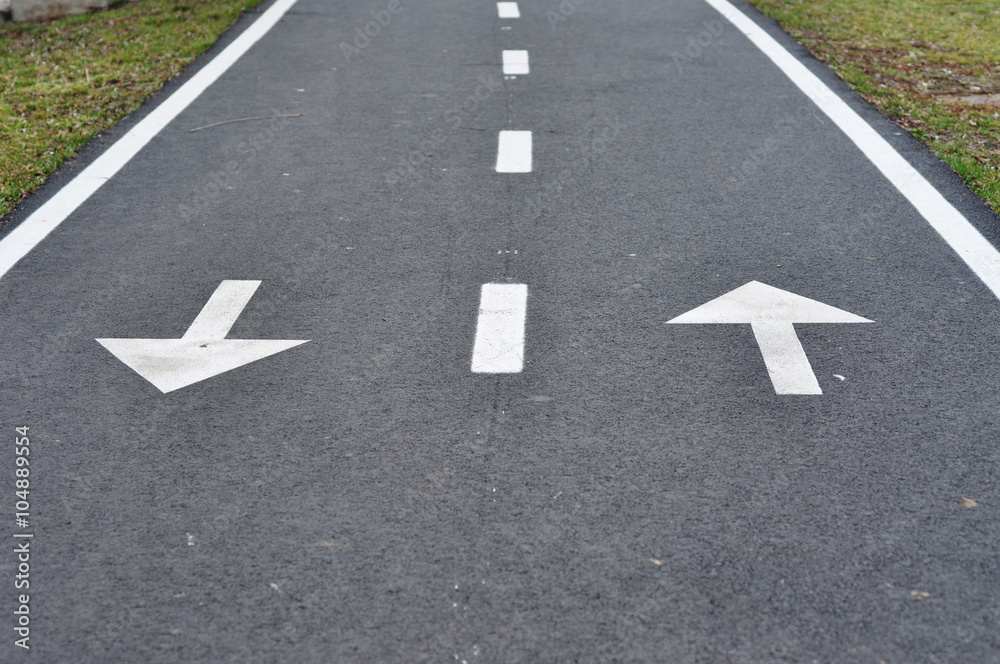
[933,66]
[63,81]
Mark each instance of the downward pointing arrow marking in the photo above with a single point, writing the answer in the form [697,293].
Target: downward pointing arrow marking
[772,312]
[203,351]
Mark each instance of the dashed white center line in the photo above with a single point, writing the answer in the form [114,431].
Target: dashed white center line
[499,346]
[508,10]
[515,63]
[514,152]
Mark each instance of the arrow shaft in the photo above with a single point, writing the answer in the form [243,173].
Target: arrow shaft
[221,311]
[785,359]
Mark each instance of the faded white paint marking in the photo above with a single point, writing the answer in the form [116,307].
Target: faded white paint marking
[515,63]
[45,219]
[514,152]
[508,10]
[772,312]
[499,346]
[203,351]
[981,256]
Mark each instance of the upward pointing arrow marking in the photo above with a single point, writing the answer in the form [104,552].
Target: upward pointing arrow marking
[772,313]
[203,351]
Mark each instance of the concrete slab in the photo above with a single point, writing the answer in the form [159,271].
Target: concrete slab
[43,10]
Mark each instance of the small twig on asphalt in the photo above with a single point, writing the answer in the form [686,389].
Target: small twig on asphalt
[262,117]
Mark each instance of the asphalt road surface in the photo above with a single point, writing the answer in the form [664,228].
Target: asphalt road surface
[492,446]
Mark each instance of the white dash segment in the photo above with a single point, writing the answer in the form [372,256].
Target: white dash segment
[514,152]
[499,346]
[515,63]
[508,10]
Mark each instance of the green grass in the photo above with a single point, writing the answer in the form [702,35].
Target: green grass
[913,59]
[64,81]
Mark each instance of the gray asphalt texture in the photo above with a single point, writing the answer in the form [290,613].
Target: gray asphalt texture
[638,493]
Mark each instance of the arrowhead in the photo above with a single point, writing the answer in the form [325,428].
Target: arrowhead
[756,302]
[171,364]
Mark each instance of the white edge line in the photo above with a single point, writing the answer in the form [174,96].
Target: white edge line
[977,252]
[26,236]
